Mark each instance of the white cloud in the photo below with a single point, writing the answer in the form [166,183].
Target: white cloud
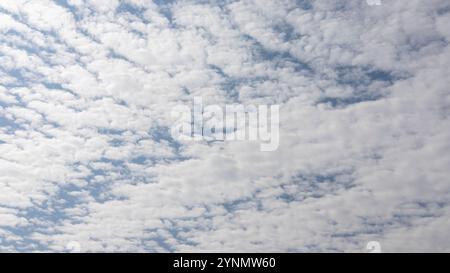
[86,90]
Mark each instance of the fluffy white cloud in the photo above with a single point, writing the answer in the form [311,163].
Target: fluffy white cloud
[86,91]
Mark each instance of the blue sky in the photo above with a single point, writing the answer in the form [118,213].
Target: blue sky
[86,155]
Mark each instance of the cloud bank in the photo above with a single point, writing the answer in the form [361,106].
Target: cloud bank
[86,155]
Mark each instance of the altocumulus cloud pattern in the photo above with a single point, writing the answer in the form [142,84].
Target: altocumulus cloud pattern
[87,158]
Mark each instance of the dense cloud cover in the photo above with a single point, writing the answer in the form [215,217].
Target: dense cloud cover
[86,89]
